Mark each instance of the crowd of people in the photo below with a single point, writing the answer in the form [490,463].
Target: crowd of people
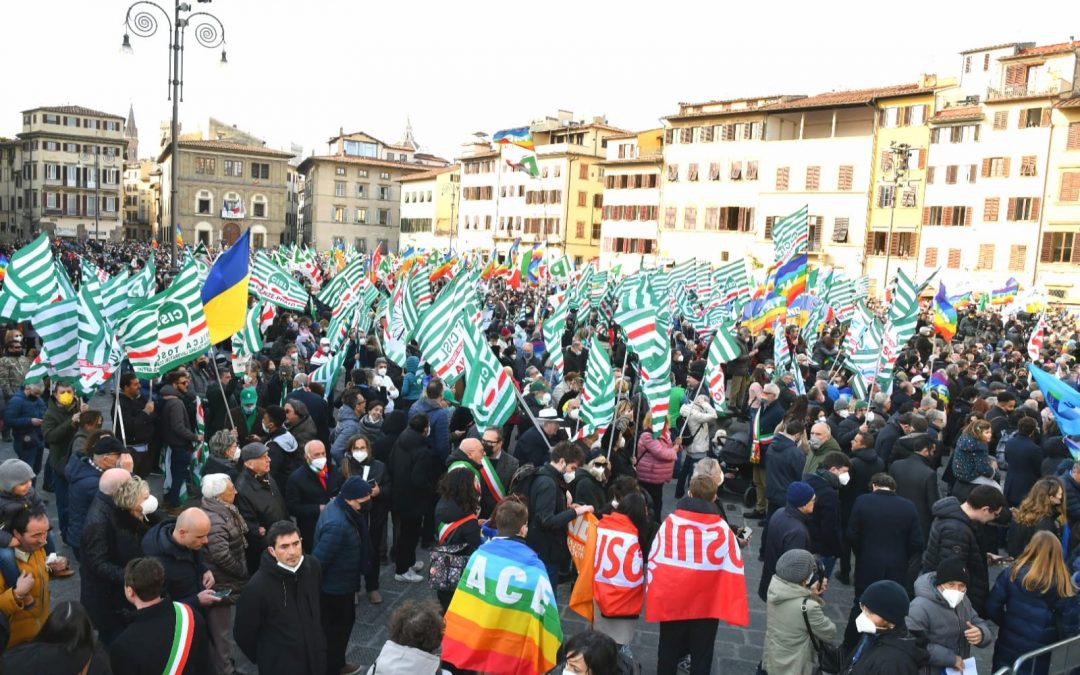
[274,538]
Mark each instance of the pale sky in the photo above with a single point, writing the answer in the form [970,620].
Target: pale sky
[299,70]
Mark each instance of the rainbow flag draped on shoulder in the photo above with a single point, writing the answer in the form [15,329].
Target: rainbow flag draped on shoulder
[503,618]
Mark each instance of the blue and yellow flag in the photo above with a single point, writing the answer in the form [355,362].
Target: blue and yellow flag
[225,292]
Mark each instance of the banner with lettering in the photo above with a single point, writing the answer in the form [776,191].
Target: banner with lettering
[581,539]
[618,570]
[696,571]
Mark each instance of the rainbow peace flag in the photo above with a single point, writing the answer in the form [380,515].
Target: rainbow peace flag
[1003,296]
[939,384]
[4,262]
[519,136]
[443,269]
[759,314]
[945,318]
[791,277]
[962,300]
[503,618]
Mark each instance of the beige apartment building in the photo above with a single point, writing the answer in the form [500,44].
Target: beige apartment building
[353,196]
[429,202]
[142,195]
[62,174]
[224,188]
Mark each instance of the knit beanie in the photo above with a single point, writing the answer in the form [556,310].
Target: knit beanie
[949,569]
[799,494]
[14,472]
[795,566]
[355,488]
[888,600]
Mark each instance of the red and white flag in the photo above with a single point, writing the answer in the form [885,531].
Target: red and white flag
[1035,343]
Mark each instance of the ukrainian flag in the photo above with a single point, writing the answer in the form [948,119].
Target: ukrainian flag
[225,292]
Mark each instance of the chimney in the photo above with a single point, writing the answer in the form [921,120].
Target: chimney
[565,117]
[341,141]
[927,81]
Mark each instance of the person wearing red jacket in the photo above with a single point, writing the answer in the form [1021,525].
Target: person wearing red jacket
[622,539]
[656,462]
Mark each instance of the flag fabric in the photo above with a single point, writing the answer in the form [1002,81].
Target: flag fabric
[30,281]
[790,235]
[759,314]
[393,327]
[416,299]
[561,270]
[269,282]
[225,291]
[1005,294]
[439,333]
[201,451]
[519,136]
[731,284]
[581,540]
[791,278]
[598,394]
[327,374]
[696,571]
[503,618]
[714,371]
[136,331]
[645,323]
[1035,342]
[1062,399]
[114,297]
[143,283]
[489,389]
[945,320]
[553,329]
[248,341]
[903,316]
[520,158]
[939,384]
[182,334]
[95,339]
[57,325]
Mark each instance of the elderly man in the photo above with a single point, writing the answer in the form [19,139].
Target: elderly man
[178,547]
[470,455]
[26,602]
[84,475]
[763,423]
[821,443]
[534,446]
[309,489]
[23,415]
[258,499]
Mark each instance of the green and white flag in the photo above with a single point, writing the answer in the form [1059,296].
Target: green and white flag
[114,297]
[347,278]
[95,338]
[143,283]
[416,300]
[58,326]
[440,332]
[598,394]
[30,281]
[248,341]
[903,316]
[136,331]
[393,328]
[489,389]
[561,271]
[719,354]
[273,284]
[554,327]
[64,289]
[328,373]
[182,332]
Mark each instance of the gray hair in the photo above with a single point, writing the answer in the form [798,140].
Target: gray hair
[706,466]
[220,442]
[928,403]
[214,484]
[771,389]
[880,398]
[300,380]
[129,494]
[935,415]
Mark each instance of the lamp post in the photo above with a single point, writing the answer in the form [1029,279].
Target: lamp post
[900,170]
[142,20]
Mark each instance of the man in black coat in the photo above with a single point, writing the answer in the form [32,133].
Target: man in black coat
[864,464]
[138,418]
[278,624]
[788,531]
[177,435]
[887,437]
[531,447]
[883,531]
[548,513]
[147,644]
[784,461]
[575,358]
[177,545]
[414,469]
[826,535]
[917,481]
[1025,458]
[317,407]
[309,489]
[953,533]
[259,499]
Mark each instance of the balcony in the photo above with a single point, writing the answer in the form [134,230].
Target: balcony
[1029,90]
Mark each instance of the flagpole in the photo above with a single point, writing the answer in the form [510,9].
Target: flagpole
[536,424]
[687,420]
[116,414]
[622,371]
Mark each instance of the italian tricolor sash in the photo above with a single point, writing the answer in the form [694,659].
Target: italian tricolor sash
[183,636]
[486,475]
[446,528]
[761,441]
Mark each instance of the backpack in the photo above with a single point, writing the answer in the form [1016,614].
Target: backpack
[999,451]
[522,481]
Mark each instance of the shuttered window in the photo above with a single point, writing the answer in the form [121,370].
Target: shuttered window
[847,173]
[1073,141]
[930,257]
[1017,257]
[840,230]
[813,178]
[986,257]
[954,259]
[1027,166]
[1001,119]
[991,206]
[782,176]
[1070,186]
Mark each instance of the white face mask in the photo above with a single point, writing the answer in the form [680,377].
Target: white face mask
[568,476]
[869,416]
[360,455]
[235,456]
[953,596]
[622,442]
[545,398]
[844,478]
[291,569]
[150,505]
[318,463]
[382,372]
[863,624]
[574,414]
[843,413]
[614,503]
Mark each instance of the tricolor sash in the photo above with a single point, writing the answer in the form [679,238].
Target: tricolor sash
[486,475]
[446,529]
[183,636]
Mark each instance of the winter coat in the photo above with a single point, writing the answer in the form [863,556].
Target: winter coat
[413,471]
[548,517]
[145,645]
[970,460]
[26,620]
[487,498]
[304,431]
[261,504]
[942,625]
[138,424]
[393,424]
[247,433]
[221,465]
[588,491]
[784,464]
[1025,467]
[787,647]
[1072,495]
[531,448]
[846,430]
[112,538]
[174,423]
[12,373]
[278,624]
[340,550]
[17,415]
[655,458]
[892,652]
[348,425]
[83,477]
[225,546]
[917,481]
[318,410]
[184,567]
[953,534]
[886,438]
[1019,535]
[824,525]
[285,455]
[505,467]
[410,384]
[439,421]
[699,422]
[468,533]
[814,458]
[58,430]
[304,494]
[1028,620]
[394,659]
[864,464]
[883,530]
[787,531]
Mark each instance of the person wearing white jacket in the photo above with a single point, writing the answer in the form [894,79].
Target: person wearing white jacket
[383,381]
[700,418]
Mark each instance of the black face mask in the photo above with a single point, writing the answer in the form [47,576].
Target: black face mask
[489,448]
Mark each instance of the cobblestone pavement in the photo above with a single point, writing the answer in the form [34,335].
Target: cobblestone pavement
[738,650]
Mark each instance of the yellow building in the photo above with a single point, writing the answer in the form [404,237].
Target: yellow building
[429,201]
[898,179]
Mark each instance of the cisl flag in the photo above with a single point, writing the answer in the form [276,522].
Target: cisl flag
[696,571]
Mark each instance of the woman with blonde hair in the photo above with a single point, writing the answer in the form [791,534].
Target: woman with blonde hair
[972,463]
[1042,510]
[1034,603]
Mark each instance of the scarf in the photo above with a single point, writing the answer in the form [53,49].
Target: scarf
[322,474]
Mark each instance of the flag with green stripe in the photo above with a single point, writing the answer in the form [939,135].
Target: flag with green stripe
[598,394]
[273,284]
[489,389]
[143,283]
[439,333]
[554,327]
[327,374]
[30,281]
[57,325]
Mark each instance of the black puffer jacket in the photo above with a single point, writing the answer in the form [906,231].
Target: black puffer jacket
[184,568]
[548,517]
[414,468]
[953,535]
[174,422]
[111,538]
[894,652]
